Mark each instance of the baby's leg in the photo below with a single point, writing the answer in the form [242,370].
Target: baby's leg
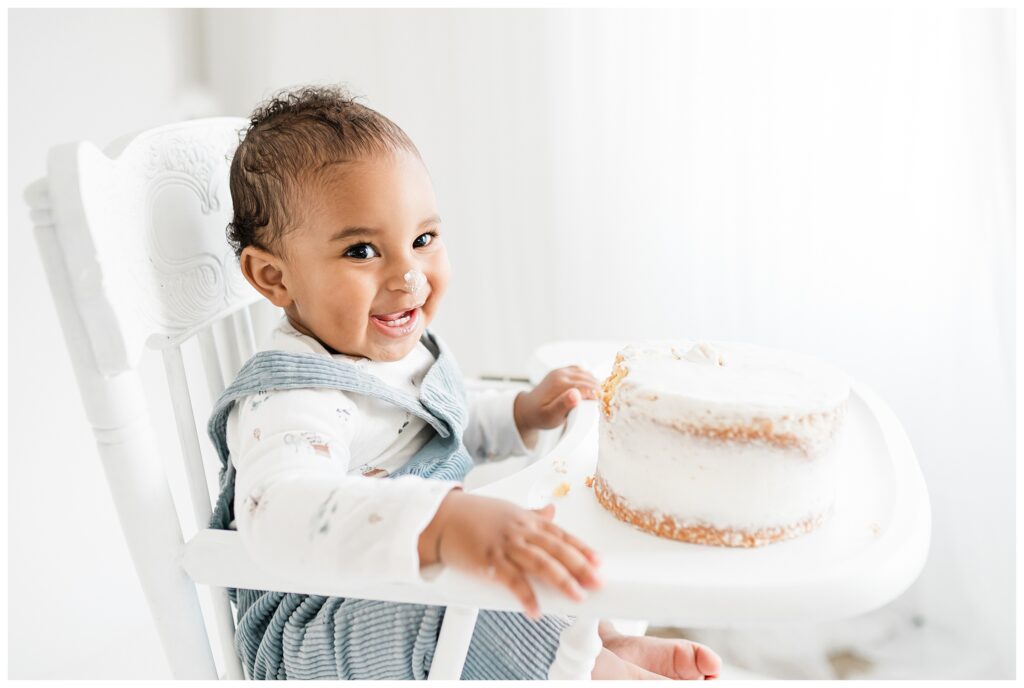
[510,646]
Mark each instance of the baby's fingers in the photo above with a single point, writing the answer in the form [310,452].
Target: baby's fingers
[533,559]
[511,576]
[573,541]
[568,555]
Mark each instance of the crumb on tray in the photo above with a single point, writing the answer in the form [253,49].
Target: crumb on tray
[561,489]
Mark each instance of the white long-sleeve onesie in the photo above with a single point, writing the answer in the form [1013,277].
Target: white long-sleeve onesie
[306,461]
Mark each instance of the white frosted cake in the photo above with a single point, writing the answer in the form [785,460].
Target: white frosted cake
[719,444]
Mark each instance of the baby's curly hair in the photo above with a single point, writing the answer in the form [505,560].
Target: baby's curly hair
[291,139]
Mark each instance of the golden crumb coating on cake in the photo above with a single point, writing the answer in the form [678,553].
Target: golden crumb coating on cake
[666,526]
[611,384]
[768,431]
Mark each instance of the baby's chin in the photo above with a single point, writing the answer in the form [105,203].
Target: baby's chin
[395,349]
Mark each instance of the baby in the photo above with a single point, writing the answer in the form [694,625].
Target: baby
[348,441]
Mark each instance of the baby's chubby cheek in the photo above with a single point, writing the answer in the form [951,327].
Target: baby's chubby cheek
[430,308]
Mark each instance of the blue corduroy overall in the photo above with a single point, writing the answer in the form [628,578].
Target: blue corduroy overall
[283,635]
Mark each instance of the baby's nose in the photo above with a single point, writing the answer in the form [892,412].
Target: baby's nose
[414,280]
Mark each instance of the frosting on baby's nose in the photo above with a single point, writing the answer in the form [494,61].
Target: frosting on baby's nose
[414,281]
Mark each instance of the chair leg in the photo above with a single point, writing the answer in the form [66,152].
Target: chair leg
[115,406]
[578,648]
[453,643]
[153,534]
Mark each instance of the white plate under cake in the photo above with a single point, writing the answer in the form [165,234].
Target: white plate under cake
[719,443]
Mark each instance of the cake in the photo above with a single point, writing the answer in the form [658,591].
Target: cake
[719,443]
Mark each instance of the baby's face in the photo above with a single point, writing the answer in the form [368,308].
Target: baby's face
[367,268]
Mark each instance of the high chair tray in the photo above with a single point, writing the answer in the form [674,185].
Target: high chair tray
[869,550]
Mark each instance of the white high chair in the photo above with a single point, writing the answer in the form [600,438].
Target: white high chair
[132,240]
[133,243]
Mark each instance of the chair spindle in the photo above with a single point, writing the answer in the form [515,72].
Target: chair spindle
[188,437]
[211,363]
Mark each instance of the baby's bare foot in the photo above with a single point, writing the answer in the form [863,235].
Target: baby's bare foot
[676,659]
[609,666]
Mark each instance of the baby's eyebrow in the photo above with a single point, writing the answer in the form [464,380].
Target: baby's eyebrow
[353,231]
[370,231]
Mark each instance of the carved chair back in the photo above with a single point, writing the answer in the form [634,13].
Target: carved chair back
[133,242]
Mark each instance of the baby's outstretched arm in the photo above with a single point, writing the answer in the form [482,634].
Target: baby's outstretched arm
[548,404]
[504,542]
[491,433]
[507,423]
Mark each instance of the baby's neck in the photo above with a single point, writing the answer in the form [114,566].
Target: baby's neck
[309,333]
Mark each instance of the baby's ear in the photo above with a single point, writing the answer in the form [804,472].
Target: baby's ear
[265,272]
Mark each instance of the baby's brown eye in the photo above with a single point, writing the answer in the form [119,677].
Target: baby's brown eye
[430,238]
[360,249]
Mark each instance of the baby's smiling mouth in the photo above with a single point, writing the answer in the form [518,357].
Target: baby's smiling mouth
[396,318]
[398,324]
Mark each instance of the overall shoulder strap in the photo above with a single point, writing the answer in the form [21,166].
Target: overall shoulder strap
[442,390]
[281,370]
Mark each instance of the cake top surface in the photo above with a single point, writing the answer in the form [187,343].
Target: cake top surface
[734,375]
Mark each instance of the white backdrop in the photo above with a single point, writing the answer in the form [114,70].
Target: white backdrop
[836,182]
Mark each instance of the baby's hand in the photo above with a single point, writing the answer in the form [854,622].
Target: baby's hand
[546,405]
[504,542]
